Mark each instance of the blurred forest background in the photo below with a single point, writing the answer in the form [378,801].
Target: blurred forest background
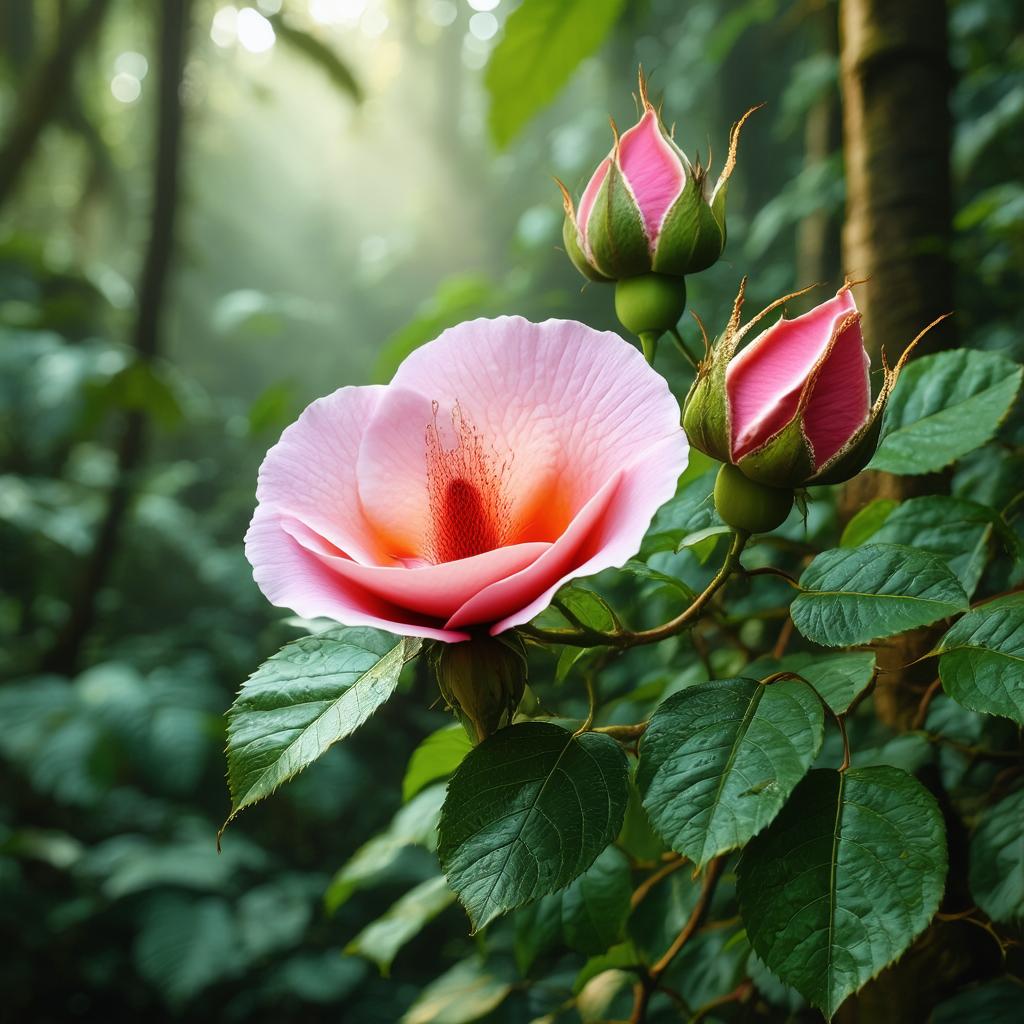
[210,215]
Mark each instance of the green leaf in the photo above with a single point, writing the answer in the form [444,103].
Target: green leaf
[537,930]
[528,811]
[274,916]
[839,677]
[855,595]
[309,695]
[997,860]
[596,905]
[621,957]
[718,761]
[381,940]
[943,407]
[643,571]
[982,659]
[543,42]
[185,945]
[843,880]
[466,992]
[414,825]
[435,758]
[958,531]
[691,511]
[994,1002]
[581,606]
[867,522]
[319,54]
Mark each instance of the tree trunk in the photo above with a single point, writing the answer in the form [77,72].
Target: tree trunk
[896,79]
[817,235]
[40,100]
[64,657]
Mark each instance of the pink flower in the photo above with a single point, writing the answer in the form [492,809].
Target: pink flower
[504,459]
[793,407]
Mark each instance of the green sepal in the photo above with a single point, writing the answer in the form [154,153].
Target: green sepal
[706,409]
[615,231]
[571,238]
[482,680]
[692,237]
[854,455]
[785,460]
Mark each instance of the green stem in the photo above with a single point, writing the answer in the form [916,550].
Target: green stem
[635,638]
[649,344]
[681,345]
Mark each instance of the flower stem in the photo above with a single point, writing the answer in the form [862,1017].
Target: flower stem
[635,638]
[649,344]
[681,345]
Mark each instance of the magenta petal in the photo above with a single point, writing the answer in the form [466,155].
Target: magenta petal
[765,381]
[653,171]
[436,591]
[588,199]
[841,399]
[293,577]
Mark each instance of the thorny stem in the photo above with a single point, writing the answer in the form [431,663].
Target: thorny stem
[635,638]
[647,986]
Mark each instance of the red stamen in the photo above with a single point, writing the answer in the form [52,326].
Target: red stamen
[470,510]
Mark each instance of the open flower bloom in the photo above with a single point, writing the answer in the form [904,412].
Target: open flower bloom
[647,207]
[504,458]
[793,407]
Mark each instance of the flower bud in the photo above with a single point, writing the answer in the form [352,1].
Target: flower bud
[647,207]
[793,408]
[482,680]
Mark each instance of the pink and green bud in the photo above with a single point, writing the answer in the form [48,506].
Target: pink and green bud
[794,407]
[647,207]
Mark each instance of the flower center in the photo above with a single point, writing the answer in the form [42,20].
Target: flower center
[470,509]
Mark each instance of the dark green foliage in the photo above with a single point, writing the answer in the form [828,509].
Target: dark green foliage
[315,247]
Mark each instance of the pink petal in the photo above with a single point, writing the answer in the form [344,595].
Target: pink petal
[841,399]
[765,381]
[573,406]
[536,584]
[310,473]
[652,169]
[606,533]
[432,590]
[293,577]
[588,199]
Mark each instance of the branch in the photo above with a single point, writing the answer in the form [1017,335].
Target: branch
[635,638]
[647,986]
[40,100]
[64,656]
